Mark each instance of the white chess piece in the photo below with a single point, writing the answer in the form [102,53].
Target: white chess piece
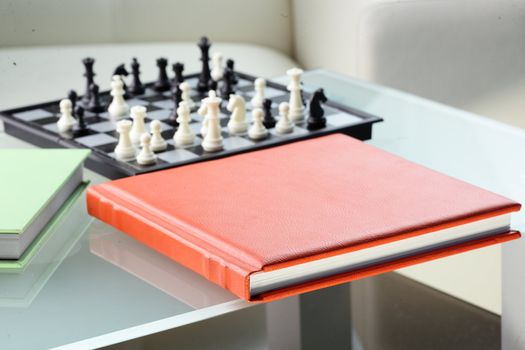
[138,114]
[284,125]
[146,155]
[237,123]
[157,142]
[186,88]
[118,106]
[257,131]
[204,111]
[66,120]
[184,135]
[258,98]
[296,113]
[125,150]
[217,70]
[213,140]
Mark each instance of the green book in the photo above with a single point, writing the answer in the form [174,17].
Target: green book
[34,184]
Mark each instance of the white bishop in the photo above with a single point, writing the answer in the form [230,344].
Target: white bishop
[138,114]
[184,135]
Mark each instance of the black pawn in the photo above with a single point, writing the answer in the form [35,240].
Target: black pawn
[177,98]
[163,82]
[227,84]
[122,71]
[72,96]
[178,69]
[136,85]
[316,119]
[231,65]
[269,120]
[94,104]
[90,75]
[81,128]
[205,75]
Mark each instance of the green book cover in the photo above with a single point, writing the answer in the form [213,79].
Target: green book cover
[29,179]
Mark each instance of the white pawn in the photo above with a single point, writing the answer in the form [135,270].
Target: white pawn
[118,106]
[217,70]
[146,155]
[258,98]
[138,114]
[124,150]
[185,88]
[203,111]
[184,135]
[66,121]
[157,142]
[257,131]
[213,140]
[237,123]
[284,125]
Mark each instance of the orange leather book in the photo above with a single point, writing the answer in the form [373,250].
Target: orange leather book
[302,216]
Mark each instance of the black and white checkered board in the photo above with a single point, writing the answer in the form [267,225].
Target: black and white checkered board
[37,124]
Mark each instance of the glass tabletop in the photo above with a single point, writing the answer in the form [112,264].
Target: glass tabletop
[92,281]
[107,288]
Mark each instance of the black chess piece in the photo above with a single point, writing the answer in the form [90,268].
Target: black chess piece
[231,65]
[136,85]
[94,104]
[72,96]
[177,98]
[123,72]
[213,85]
[163,82]
[205,75]
[302,95]
[316,119]
[227,84]
[81,128]
[90,76]
[178,69]
[269,120]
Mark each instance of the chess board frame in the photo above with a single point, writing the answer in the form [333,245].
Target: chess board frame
[103,163]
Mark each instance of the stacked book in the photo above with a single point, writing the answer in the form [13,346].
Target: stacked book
[37,188]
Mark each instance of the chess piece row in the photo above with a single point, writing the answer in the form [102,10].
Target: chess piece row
[132,133]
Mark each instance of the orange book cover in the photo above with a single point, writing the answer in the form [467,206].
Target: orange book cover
[266,210]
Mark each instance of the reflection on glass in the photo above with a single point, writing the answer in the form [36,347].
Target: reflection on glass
[156,269]
[19,288]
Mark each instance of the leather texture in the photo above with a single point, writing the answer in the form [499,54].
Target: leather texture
[286,205]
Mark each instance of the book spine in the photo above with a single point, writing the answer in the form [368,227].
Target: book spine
[212,267]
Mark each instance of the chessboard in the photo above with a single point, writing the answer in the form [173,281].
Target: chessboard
[37,124]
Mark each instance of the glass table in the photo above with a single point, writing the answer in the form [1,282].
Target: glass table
[107,289]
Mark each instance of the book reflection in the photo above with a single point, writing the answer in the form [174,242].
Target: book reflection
[156,269]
